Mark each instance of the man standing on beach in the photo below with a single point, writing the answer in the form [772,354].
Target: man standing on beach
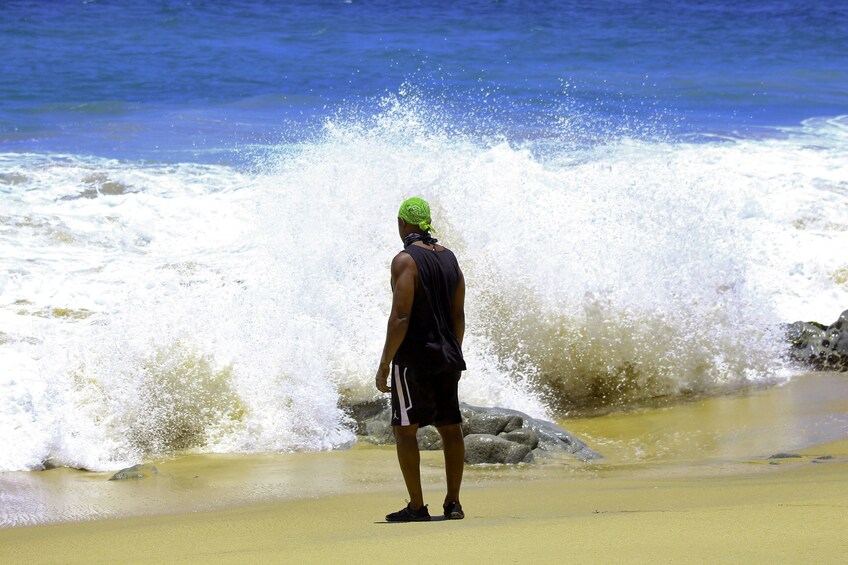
[424,347]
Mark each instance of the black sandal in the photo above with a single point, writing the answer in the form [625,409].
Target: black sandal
[409,515]
[453,511]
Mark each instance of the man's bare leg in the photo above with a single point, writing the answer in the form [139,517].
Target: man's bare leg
[454,446]
[410,460]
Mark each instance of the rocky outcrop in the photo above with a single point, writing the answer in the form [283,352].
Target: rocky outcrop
[492,435]
[818,346]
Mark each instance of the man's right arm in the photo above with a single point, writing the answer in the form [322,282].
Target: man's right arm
[404,274]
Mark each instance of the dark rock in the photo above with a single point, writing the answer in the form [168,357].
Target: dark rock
[840,343]
[367,411]
[805,339]
[801,333]
[488,448]
[824,457]
[818,346]
[842,322]
[551,436]
[492,422]
[379,429]
[785,456]
[374,425]
[135,472]
[524,436]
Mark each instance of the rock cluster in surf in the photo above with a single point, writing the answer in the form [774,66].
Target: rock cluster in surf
[818,346]
[492,435]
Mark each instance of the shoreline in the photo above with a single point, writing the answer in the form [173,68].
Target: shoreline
[791,513]
[691,482]
[717,435]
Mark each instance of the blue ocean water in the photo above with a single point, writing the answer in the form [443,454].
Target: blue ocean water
[198,201]
[178,79]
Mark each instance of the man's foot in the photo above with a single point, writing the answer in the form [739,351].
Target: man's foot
[453,511]
[409,515]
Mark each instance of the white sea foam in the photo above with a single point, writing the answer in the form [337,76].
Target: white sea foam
[150,308]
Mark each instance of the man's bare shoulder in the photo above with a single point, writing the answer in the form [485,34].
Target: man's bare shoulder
[403,260]
[403,265]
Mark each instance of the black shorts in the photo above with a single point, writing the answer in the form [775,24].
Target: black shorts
[424,398]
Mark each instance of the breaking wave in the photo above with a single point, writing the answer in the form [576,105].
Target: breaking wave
[151,308]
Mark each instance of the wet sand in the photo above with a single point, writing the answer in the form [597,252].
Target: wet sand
[688,483]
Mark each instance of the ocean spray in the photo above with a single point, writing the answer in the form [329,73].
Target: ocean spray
[152,308]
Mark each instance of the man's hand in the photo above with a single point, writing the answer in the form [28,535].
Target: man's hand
[381,380]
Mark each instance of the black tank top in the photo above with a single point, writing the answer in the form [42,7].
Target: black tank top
[430,343]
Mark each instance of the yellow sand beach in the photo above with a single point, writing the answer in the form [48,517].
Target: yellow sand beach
[690,483]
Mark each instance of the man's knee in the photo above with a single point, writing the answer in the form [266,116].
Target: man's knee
[451,432]
[405,432]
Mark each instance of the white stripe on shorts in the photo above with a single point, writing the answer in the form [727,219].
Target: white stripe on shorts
[404,416]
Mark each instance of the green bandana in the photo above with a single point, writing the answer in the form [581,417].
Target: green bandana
[416,211]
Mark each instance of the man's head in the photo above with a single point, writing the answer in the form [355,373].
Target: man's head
[414,216]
